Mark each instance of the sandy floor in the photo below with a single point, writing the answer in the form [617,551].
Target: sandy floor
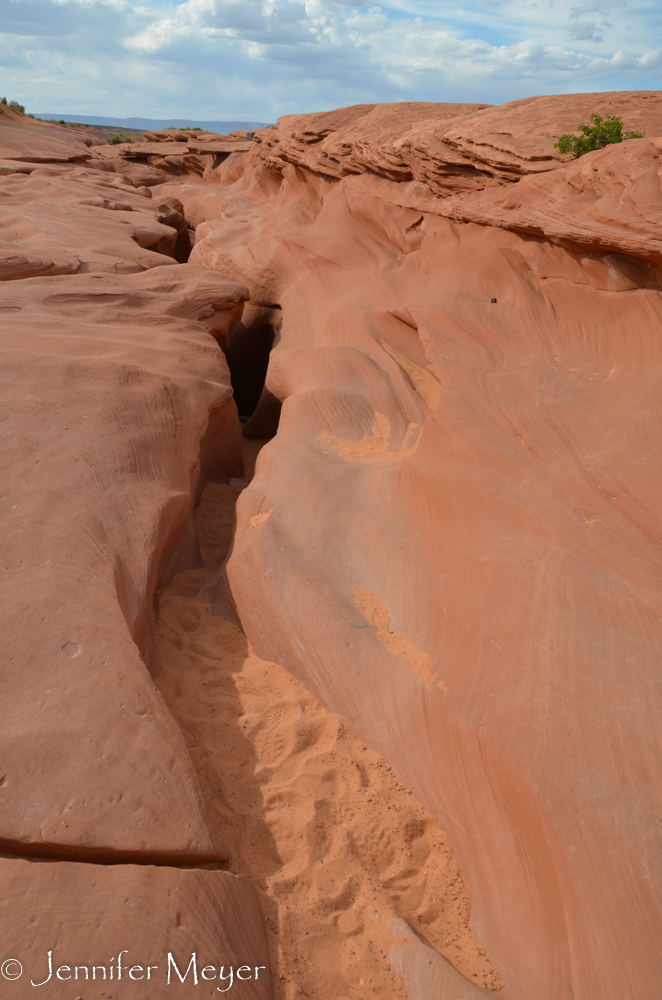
[335,844]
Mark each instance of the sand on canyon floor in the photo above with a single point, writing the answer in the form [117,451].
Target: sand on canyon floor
[336,845]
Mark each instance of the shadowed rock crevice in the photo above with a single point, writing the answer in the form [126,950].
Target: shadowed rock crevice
[248,352]
[92,855]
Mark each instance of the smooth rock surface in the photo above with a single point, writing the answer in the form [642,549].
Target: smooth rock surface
[117,407]
[339,850]
[500,536]
[22,138]
[86,915]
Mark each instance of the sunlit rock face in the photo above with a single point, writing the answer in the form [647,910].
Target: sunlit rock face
[467,465]
[117,409]
[452,540]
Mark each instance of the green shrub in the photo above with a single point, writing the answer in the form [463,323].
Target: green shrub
[601,133]
[115,139]
[14,105]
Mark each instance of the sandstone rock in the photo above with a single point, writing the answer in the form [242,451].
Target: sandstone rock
[16,167]
[26,263]
[93,918]
[449,147]
[22,138]
[169,135]
[106,224]
[453,540]
[191,135]
[118,406]
[169,157]
[505,528]
[137,174]
[172,147]
[608,201]
[519,137]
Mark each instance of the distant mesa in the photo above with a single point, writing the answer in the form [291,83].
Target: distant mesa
[150,123]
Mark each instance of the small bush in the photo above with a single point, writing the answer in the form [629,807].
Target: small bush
[115,139]
[14,105]
[603,132]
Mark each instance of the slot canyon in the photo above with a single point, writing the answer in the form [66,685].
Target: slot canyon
[331,520]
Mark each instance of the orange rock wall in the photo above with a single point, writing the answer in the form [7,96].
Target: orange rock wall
[475,485]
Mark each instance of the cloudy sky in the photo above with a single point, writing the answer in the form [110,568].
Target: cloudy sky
[258,59]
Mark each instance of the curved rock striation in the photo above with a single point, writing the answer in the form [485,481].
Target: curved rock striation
[469,413]
[448,147]
[608,201]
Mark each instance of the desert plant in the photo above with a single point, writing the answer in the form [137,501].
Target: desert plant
[603,132]
[14,105]
[115,139]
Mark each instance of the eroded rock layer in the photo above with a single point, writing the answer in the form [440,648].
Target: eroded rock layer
[452,541]
[469,413]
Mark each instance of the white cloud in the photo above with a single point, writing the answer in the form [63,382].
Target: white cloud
[260,58]
[590,31]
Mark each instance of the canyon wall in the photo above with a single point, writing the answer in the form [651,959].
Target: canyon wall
[117,408]
[454,538]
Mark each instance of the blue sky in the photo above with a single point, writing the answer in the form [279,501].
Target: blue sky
[258,59]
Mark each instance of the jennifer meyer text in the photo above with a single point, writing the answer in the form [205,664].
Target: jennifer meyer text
[169,972]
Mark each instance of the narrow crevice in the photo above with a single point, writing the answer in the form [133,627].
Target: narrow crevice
[173,216]
[248,353]
[105,856]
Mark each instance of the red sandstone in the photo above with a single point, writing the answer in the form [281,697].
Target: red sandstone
[452,541]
